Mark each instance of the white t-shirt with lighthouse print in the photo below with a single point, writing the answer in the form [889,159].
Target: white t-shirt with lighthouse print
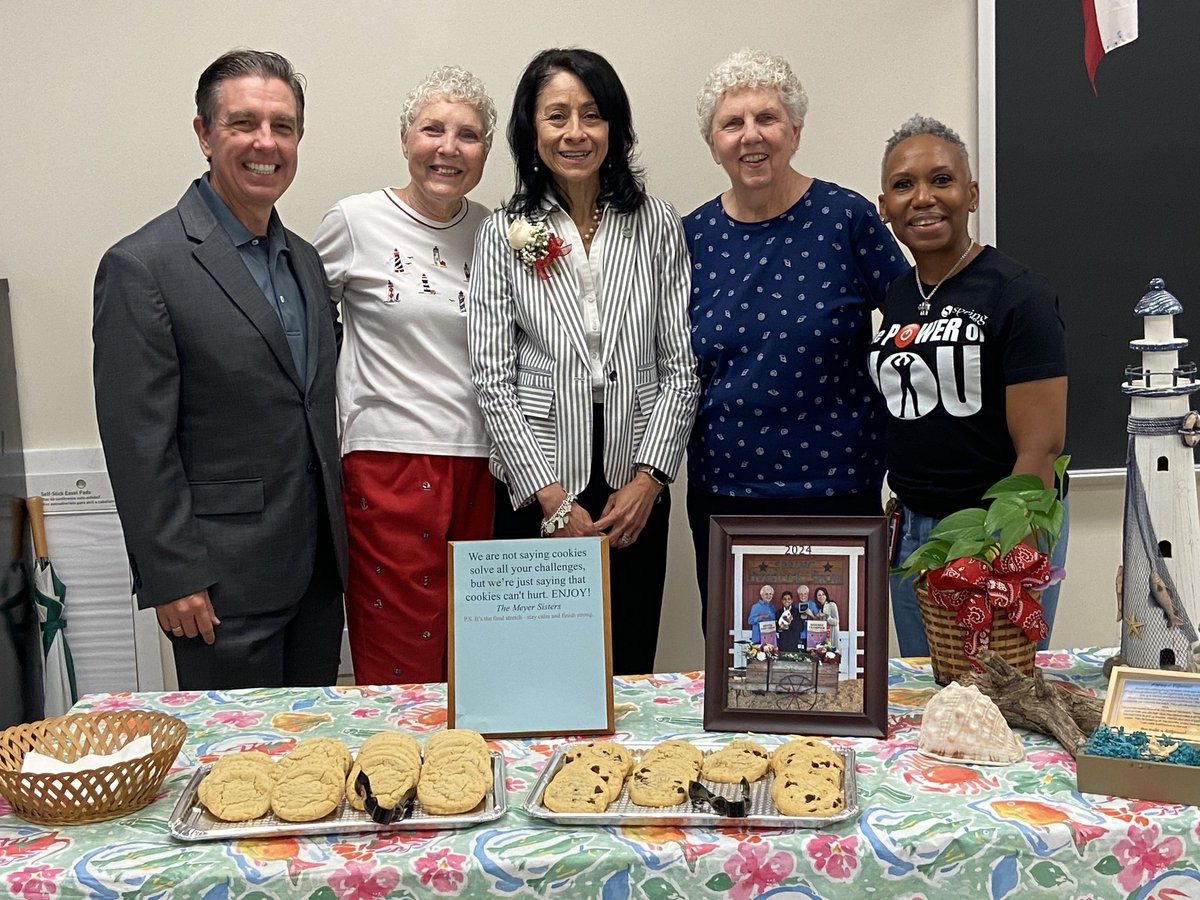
[404,376]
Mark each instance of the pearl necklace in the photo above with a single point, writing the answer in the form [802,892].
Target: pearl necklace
[597,215]
[923,306]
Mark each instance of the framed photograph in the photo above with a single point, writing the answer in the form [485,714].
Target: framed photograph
[797,625]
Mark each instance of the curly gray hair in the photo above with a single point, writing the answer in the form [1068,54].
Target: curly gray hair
[750,68]
[455,84]
[920,125]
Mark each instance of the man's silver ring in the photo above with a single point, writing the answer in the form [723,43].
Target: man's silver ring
[177,631]
[625,539]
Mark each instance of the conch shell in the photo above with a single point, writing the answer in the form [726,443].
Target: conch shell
[961,724]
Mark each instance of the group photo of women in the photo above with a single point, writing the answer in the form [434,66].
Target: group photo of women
[544,370]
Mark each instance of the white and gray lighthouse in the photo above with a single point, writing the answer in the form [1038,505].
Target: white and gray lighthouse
[1159,583]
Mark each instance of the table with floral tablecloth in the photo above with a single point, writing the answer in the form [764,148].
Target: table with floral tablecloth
[926,828]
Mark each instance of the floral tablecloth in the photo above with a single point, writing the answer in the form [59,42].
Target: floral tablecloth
[927,829]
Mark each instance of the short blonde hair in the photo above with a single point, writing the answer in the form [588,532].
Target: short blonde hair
[750,68]
[454,84]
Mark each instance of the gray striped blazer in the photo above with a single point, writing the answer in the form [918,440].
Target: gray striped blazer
[529,357]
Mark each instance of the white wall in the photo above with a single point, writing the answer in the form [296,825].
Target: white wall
[96,108]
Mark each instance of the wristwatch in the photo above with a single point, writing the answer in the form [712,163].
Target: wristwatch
[657,476]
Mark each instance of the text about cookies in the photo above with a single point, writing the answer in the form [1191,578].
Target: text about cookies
[527,584]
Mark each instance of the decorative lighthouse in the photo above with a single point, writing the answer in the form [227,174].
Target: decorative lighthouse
[1158,585]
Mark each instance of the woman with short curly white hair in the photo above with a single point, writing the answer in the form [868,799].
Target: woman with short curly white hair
[786,269]
[414,451]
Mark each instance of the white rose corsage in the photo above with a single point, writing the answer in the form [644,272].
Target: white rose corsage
[536,246]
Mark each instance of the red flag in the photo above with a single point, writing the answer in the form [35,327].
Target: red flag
[1107,25]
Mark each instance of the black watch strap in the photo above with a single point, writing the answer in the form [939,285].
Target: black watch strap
[655,474]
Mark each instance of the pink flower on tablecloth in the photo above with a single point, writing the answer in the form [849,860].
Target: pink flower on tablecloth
[238,718]
[1039,759]
[180,698]
[1048,660]
[752,872]
[1142,857]
[666,701]
[362,881]
[442,869]
[365,712]
[112,702]
[33,882]
[837,856]
[514,784]
[411,696]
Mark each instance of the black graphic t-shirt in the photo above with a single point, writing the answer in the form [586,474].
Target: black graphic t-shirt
[943,377]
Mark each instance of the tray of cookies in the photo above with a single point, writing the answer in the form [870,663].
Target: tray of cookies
[321,787]
[805,783]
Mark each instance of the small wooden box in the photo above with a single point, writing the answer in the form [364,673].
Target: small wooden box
[1156,702]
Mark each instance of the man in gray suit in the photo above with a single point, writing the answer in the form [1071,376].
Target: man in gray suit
[215,346]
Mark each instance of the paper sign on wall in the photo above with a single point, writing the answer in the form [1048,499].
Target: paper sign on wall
[529,637]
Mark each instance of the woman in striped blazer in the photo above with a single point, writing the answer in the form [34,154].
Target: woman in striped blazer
[578,335]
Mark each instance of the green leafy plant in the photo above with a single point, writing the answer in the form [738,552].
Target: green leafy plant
[1021,506]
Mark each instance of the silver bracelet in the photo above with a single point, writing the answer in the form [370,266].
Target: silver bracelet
[559,518]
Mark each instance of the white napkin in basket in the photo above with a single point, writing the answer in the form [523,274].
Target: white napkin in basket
[39,764]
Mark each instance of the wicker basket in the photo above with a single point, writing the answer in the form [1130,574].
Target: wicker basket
[91,795]
[946,637]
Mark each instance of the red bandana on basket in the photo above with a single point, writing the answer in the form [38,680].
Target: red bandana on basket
[976,590]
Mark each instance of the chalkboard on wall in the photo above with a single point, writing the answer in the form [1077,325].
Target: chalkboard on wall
[1100,192]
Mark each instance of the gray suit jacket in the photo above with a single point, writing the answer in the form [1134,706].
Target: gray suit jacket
[213,441]
[529,355]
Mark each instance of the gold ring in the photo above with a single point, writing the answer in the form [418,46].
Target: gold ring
[625,539]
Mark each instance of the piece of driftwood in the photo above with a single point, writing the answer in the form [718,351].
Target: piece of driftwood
[1030,701]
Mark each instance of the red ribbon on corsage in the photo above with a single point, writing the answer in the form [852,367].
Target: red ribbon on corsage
[975,590]
[555,248]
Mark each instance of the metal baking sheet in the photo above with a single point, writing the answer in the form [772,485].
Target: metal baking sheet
[190,821]
[763,812]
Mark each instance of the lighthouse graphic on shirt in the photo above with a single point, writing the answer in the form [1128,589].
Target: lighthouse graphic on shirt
[923,366]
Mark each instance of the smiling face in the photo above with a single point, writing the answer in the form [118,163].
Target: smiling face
[767,592]
[788,599]
[446,151]
[251,146]
[928,197]
[572,137]
[752,137]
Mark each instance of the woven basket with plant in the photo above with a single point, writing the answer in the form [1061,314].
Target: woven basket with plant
[980,575]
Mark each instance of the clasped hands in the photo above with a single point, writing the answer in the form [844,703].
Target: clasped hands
[190,616]
[623,518]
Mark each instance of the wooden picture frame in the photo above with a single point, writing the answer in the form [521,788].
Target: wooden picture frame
[754,682]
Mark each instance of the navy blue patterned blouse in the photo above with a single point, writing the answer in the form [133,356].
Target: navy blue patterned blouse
[781,320]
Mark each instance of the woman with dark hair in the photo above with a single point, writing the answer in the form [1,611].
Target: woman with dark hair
[976,381]
[577,328]
[829,611]
[788,625]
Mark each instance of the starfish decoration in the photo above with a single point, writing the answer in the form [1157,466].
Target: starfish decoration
[1134,624]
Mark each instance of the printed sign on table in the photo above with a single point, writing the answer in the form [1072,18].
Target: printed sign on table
[529,637]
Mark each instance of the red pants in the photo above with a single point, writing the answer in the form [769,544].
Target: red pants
[401,509]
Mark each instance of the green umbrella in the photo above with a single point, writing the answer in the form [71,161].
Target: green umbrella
[50,596]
